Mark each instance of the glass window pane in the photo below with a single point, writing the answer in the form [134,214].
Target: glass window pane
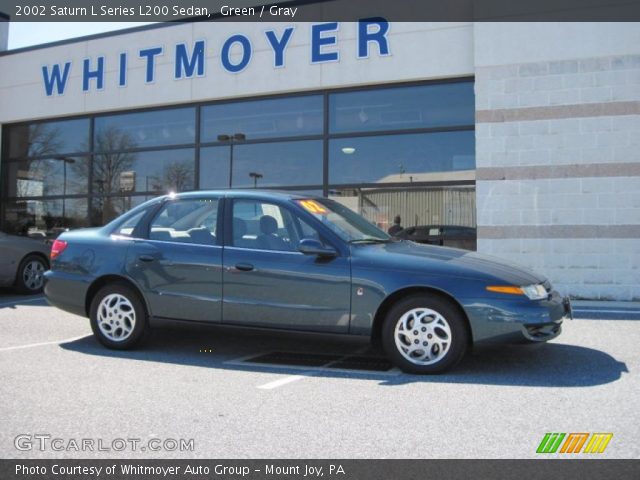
[214,167]
[42,139]
[422,210]
[52,176]
[162,171]
[423,157]
[105,209]
[48,217]
[282,117]
[423,106]
[271,164]
[146,129]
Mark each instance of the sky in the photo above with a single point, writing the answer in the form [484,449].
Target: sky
[25,34]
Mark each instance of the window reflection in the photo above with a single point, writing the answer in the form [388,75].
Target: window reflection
[423,106]
[262,165]
[282,117]
[51,176]
[401,158]
[45,217]
[105,209]
[418,208]
[162,171]
[42,139]
[146,129]
[277,164]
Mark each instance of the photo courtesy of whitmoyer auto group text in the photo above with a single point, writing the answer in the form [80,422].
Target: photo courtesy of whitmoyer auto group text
[305,239]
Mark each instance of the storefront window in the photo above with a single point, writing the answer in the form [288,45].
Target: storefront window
[45,217]
[282,117]
[48,138]
[158,171]
[423,157]
[375,144]
[435,215]
[47,177]
[145,129]
[423,106]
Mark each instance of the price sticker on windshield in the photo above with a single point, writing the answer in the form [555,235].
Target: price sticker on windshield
[312,206]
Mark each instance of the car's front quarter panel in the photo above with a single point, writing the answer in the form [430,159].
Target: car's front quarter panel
[87,257]
[492,316]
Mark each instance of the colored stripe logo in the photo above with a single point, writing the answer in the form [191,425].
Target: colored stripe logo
[573,442]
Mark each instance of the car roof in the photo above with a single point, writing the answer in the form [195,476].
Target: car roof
[252,193]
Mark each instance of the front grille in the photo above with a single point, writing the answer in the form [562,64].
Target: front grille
[542,331]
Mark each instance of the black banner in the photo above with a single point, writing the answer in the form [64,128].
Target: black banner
[318,10]
[542,469]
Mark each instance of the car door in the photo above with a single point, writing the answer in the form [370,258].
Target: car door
[179,263]
[268,282]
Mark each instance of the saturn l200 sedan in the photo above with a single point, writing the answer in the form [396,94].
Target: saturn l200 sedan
[281,261]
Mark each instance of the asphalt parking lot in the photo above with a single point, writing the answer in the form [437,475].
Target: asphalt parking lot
[193,384]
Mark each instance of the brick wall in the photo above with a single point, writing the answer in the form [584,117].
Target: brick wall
[558,157]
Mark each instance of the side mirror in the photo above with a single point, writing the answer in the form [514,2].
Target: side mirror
[311,246]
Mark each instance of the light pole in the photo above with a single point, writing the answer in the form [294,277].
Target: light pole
[231,139]
[64,161]
[255,176]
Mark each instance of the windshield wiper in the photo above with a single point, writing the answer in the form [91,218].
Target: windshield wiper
[370,240]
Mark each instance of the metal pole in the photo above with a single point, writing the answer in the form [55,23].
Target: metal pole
[231,165]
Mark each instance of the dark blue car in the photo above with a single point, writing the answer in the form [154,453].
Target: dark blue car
[281,261]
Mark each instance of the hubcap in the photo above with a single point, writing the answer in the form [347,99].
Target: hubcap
[116,317]
[32,275]
[423,336]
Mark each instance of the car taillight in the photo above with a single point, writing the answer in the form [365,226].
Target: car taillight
[57,248]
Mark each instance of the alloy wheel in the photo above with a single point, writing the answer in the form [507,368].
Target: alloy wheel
[422,336]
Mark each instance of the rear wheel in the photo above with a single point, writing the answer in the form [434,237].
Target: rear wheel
[425,335]
[118,317]
[30,275]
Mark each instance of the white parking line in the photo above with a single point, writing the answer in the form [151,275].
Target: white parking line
[42,344]
[18,302]
[313,371]
[284,381]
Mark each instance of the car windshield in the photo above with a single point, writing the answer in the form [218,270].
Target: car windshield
[347,224]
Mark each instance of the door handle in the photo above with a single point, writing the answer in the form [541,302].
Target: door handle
[244,267]
[146,258]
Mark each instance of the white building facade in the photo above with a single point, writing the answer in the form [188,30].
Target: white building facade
[533,127]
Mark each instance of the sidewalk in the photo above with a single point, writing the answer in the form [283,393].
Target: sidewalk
[605,310]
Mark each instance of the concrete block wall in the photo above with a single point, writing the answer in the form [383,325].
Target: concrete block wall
[558,157]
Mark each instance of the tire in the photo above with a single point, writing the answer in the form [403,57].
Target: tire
[118,317]
[442,335]
[29,277]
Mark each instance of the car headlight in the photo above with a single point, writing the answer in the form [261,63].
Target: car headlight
[533,292]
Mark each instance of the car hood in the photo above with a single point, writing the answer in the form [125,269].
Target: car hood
[408,255]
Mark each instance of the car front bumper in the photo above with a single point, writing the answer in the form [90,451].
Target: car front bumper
[518,320]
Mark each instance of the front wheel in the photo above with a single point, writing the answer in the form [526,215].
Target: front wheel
[118,317]
[425,335]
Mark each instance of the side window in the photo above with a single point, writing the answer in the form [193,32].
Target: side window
[186,221]
[263,226]
[127,228]
[307,231]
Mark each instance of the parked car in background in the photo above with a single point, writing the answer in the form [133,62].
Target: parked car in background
[282,261]
[23,261]
[444,235]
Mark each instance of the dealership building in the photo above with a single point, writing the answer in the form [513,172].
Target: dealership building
[528,132]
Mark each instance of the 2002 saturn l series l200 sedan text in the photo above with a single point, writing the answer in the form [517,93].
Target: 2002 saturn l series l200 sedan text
[264,259]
